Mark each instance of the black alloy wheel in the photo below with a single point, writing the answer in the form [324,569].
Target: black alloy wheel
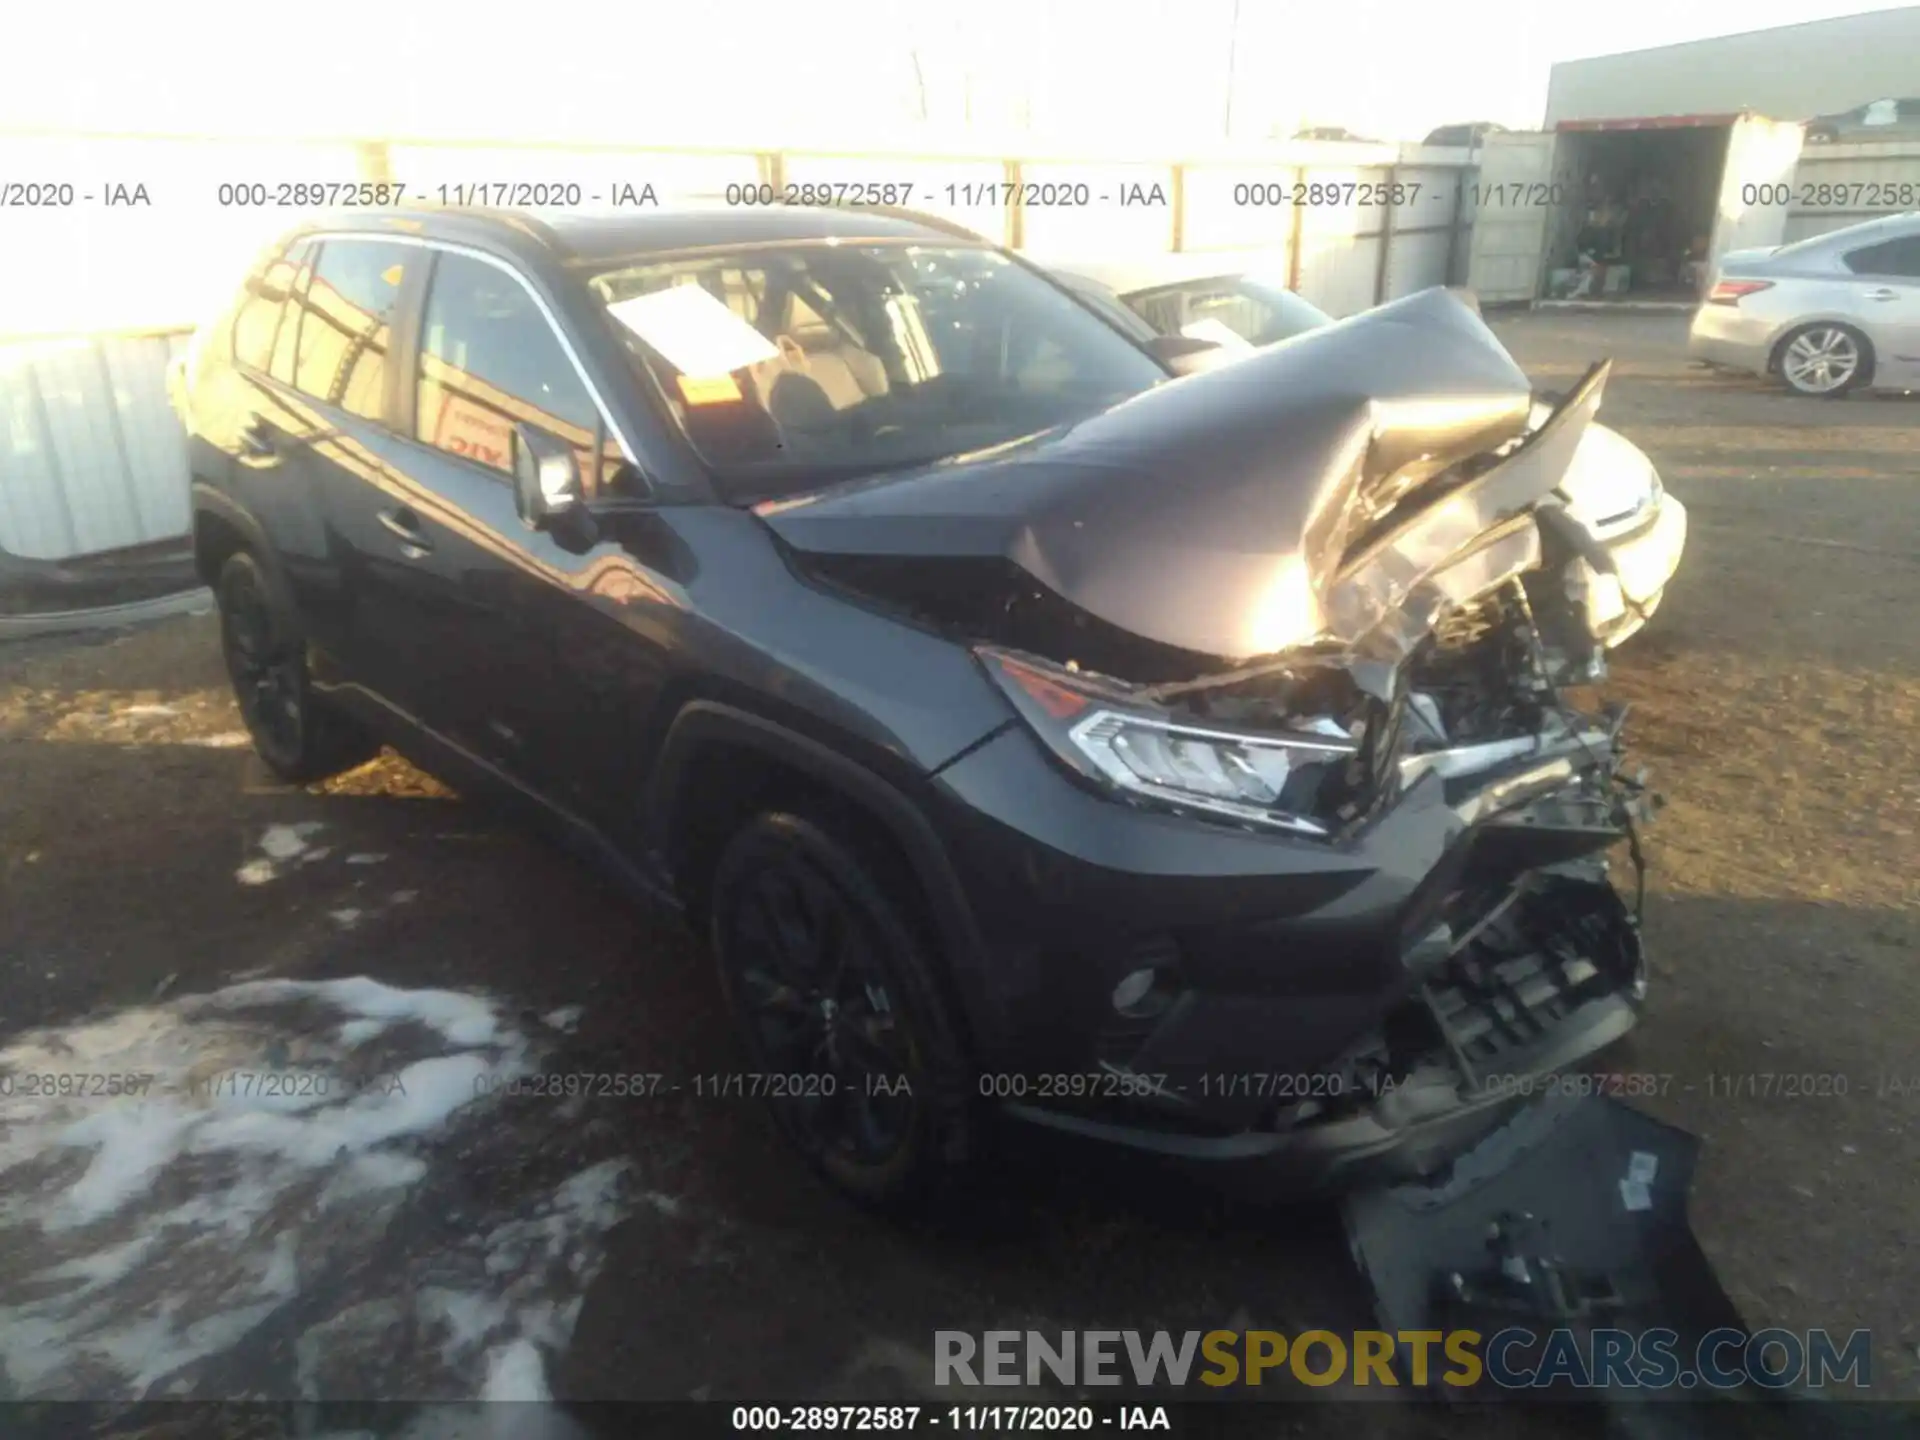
[298,739]
[850,1043]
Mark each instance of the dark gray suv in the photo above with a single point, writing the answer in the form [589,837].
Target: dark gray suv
[1180,762]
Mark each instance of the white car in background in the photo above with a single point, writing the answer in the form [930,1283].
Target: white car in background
[1828,315]
[1612,487]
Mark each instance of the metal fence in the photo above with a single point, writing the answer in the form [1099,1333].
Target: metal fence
[92,458]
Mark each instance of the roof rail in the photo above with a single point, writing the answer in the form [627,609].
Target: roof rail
[897,212]
[923,217]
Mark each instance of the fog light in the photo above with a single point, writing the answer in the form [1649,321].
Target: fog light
[1128,994]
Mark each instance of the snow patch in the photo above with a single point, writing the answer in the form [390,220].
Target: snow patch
[225,740]
[285,842]
[259,1152]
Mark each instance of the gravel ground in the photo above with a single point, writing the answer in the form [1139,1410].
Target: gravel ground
[1777,701]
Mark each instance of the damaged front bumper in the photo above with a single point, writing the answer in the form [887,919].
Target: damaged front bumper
[1619,604]
[1317,1016]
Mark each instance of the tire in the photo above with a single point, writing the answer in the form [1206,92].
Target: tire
[1806,357]
[299,737]
[832,984]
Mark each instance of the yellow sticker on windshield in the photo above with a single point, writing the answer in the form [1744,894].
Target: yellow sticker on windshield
[392,274]
[709,389]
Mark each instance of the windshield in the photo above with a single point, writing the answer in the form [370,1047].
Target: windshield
[788,361]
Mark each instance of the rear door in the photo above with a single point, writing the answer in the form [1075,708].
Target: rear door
[339,361]
[1885,280]
[1760,153]
[1514,197]
[272,433]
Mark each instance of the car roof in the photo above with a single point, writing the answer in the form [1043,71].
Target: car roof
[1884,227]
[590,238]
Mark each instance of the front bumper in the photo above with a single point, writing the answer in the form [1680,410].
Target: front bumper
[1643,562]
[1320,1012]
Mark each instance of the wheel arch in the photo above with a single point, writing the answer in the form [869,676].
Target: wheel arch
[718,765]
[221,528]
[1777,347]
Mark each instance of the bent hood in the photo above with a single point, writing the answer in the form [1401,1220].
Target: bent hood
[1330,487]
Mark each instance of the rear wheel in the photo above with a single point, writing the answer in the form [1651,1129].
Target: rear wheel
[831,985]
[1825,359]
[293,731]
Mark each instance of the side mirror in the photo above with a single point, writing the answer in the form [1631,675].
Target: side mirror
[546,477]
[1188,354]
[1169,348]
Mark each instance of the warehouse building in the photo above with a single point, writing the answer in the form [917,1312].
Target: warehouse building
[1654,163]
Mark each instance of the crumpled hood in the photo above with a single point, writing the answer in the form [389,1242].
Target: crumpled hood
[1237,512]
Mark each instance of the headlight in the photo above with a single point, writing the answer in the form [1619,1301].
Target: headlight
[1143,751]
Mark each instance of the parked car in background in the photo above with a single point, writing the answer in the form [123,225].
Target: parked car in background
[1829,315]
[1875,120]
[1332,132]
[1611,488]
[1469,134]
[1025,729]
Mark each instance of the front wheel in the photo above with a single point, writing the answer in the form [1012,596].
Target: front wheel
[1825,359]
[832,988]
[299,738]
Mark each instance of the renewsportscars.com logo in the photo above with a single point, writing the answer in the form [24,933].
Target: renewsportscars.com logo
[1515,1358]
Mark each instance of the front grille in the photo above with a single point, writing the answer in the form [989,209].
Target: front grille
[1488,1009]
[1508,990]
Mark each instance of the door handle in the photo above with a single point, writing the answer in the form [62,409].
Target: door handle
[1883,294]
[257,439]
[404,525]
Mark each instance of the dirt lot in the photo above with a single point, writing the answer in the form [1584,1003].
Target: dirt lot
[1777,702]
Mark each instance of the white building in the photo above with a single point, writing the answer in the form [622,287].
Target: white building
[1657,162]
[1792,72]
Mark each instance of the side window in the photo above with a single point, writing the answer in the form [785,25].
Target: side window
[346,323]
[489,359]
[257,317]
[287,338]
[1899,257]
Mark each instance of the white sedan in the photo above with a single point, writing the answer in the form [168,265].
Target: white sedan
[1611,487]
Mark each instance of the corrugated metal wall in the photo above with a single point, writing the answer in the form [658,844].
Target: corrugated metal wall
[91,455]
[1851,183]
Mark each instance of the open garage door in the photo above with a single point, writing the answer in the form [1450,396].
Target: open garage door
[1761,158]
[1514,195]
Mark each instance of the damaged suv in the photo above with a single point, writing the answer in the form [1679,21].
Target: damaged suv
[1181,762]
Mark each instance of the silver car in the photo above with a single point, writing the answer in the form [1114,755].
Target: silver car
[1835,313]
[1873,121]
[1611,487]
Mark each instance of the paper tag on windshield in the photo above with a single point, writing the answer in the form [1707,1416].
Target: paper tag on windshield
[699,336]
[1217,332]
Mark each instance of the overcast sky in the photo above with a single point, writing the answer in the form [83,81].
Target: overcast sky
[1120,70]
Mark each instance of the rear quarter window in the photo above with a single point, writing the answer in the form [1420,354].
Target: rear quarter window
[346,323]
[257,312]
[1899,256]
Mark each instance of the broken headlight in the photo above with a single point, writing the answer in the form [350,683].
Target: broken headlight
[1272,779]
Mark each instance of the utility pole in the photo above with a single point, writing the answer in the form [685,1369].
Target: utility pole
[1233,62]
